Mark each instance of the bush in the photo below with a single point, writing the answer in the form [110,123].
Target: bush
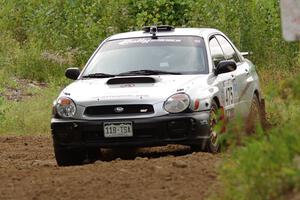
[267,166]
[176,12]
[61,27]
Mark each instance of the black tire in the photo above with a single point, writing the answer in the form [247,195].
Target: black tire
[212,145]
[93,154]
[125,152]
[255,116]
[68,157]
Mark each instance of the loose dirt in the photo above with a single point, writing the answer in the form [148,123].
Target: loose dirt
[28,171]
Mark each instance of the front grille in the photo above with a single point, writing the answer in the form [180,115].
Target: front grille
[119,110]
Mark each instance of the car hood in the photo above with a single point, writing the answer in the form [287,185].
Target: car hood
[93,91]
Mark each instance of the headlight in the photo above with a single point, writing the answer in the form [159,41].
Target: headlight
[177,103]
[65,107]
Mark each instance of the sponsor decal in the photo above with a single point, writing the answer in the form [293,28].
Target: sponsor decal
[122,97]
[127,85]
[118,109]
[148,40]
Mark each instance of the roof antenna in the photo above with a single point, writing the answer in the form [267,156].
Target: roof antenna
[153,31]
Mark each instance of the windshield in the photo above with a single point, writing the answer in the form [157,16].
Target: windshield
[173,55]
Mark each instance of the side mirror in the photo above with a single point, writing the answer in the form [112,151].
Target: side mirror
[72,73]
[225,66]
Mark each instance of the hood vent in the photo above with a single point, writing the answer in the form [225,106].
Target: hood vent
[127,80]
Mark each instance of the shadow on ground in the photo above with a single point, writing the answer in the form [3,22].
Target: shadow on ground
[137,153]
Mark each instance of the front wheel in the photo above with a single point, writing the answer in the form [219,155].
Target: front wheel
[68,157]
[212,145]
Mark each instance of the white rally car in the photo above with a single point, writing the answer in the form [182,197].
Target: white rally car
[158,86]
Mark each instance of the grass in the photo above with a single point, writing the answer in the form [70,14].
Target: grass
[31,116]
[267,166]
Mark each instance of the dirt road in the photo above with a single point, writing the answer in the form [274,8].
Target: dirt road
[28,171]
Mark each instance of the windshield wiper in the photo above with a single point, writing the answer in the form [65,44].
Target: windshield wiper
[147,72]
[130,73]
[98,75]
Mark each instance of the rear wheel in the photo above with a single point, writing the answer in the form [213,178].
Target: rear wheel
[255,116]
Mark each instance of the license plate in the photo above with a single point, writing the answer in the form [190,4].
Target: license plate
[117,129]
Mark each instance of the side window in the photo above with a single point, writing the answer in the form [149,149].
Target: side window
[216,51]
[229,52]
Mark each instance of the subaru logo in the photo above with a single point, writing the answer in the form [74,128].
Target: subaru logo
[119,109]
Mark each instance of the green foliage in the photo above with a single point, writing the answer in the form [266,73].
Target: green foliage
[290,90]
[30,116]
[1,109]
[176,12]
[33,28]
[267,166]
[46,34]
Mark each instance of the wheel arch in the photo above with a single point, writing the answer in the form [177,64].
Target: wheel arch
[216,99]
[257,94]
[262,105]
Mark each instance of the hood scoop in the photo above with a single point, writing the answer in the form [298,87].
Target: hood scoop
[129,80]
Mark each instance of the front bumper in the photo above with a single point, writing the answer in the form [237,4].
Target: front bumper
[183,128]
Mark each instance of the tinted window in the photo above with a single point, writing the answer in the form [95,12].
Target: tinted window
[186,55]
[216,51]
[229,52]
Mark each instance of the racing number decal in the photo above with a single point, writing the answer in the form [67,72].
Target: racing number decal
[228,93]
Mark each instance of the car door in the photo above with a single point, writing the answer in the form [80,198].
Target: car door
[225,81]
[239,76]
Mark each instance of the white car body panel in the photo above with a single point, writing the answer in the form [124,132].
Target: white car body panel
[203,87]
